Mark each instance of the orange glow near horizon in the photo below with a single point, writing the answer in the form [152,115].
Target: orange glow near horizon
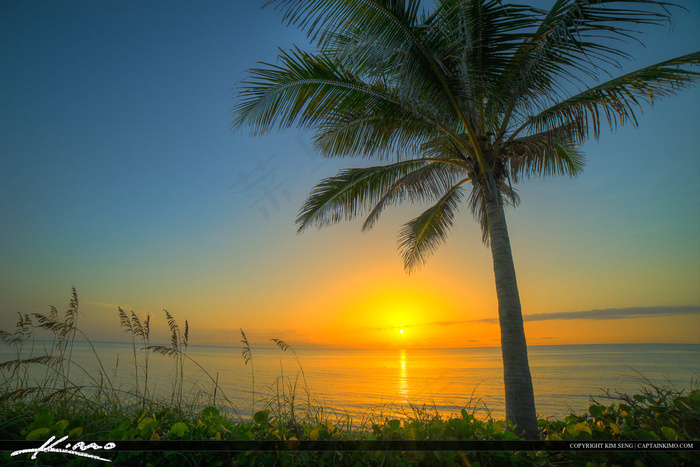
[377,311]
[378,324]
[395,318]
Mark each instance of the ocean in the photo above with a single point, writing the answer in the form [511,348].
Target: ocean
[379,383]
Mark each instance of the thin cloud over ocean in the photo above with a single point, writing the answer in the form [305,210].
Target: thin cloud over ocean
[603,314]
[608,313]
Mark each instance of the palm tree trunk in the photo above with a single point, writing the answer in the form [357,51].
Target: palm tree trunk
[520,397]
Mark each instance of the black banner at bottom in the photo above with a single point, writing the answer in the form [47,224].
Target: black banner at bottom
[100,448]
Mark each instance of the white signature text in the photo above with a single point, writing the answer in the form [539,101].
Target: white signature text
[78,449]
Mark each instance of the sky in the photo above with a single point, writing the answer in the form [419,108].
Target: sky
[120,175]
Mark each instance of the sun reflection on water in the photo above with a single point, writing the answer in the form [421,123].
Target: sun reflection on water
[403,377]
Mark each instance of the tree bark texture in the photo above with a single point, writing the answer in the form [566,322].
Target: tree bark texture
[520,397]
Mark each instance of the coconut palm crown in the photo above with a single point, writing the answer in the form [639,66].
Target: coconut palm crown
[459,103]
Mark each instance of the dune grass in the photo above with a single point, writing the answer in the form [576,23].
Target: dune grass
[39,398]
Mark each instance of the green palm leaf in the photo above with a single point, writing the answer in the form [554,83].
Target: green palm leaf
[356,32]
[314,91]
[424,234]
[618,99]
[573,39]
[303,90]
[385,130]
[423,184]
[351,192]
[478,40]
[550,153]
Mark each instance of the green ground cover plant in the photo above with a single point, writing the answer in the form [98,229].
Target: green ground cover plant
[37,408]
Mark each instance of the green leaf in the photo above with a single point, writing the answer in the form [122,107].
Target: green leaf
[583,427]
[43,419]
[59,428]
[596,410]
[146,422]
[669,433]
[39,433]
[178,430]
[210,413]
[261,417]
[624,407]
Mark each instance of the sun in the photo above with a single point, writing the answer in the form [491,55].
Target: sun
[400,331]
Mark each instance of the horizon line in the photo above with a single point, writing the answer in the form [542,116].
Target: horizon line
[309,346]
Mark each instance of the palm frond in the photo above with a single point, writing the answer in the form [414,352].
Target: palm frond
[383,38]
[421,236]
[321,17]
[386,130]
[479,38]
[618,99]
[303,89]
[550,153]
[314,91]
[351,192]
[427,183]
[572,41]
[372,37]
[476,202]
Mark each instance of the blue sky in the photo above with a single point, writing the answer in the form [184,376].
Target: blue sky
[119,174]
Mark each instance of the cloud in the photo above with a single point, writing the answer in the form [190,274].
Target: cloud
[608,313]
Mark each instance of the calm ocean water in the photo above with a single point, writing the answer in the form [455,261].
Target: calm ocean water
[380,382]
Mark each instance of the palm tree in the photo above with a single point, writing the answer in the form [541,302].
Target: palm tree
[459,103]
